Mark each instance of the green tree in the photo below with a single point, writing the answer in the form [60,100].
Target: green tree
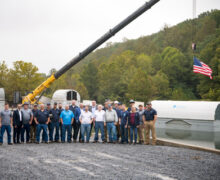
[23,77]
[3,74]
[90,79]
[140,87]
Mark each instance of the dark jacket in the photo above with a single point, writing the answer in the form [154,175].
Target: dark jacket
[76,111]
[16,118]
[124,117]
[136,119]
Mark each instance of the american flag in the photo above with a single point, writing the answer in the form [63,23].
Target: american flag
[202,68]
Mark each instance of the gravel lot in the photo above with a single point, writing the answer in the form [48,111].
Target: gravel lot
[105,161]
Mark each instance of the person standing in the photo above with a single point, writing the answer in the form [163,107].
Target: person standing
[55,122]
[81,107]
[111,120]
[118,110]
[131,103]
[33,129]
[141,126]
[6,124]
[86,121]
[123,121]
[26,122]
[60,107]
[17,123]
[105,127]
[49,124]
[149,119]
[76,124]
[99,119]
[42,119]
[67,119]
[92,110]
[133,124]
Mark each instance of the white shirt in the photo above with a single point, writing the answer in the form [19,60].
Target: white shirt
[99,116]
[19,111]
[86,117]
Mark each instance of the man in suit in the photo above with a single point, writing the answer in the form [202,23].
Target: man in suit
[17,123]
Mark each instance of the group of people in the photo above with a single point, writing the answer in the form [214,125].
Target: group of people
[71,124]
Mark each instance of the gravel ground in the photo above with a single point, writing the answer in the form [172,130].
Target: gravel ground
[105,161]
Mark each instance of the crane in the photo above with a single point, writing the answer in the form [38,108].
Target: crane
[31,97]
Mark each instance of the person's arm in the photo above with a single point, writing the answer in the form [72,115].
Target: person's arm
[155,118]
[31,120]
[0,121]
[128,120]
[138,120]
[72,118]
[11,119]
[116,118]
[35,119]
[48,120]
[61,117]
[91,119]
[144,119]
[80,118]
[14,120]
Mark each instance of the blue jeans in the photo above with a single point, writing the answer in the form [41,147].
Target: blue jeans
[99,125]
[45,135]
[85,128]
[8,130]
[133,129]
[54,125]
[124,133]
[26,127]
[111,132]
[68,128]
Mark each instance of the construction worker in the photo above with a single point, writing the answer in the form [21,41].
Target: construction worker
[149,119]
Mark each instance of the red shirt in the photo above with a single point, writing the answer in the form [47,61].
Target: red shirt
[132,118]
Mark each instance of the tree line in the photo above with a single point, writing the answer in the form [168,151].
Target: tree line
[158,66]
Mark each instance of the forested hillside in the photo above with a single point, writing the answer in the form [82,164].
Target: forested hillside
[158,66]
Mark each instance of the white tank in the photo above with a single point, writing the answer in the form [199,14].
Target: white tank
[198,110]
[65,96]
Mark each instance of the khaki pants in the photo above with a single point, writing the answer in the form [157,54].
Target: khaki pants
[118,131]
[33,133]
[141,133]
[150,126]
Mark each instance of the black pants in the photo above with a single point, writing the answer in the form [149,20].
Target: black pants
[76,128]
[17,134]
[91,129]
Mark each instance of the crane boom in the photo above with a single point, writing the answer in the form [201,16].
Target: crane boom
[31,96]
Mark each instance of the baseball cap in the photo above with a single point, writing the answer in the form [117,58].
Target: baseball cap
[131,101]
[116,102]
[148,103]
